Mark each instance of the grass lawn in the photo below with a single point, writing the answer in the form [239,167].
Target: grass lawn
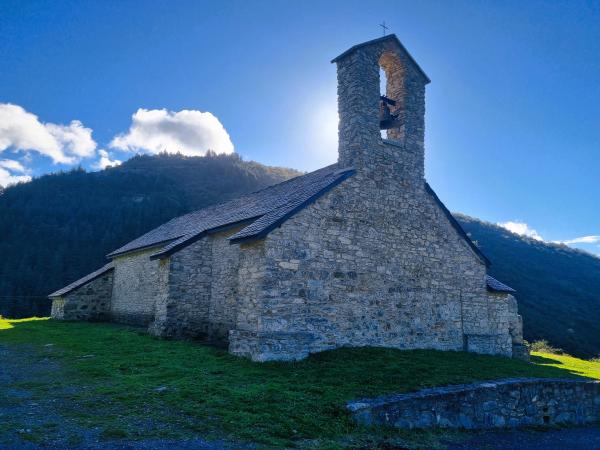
[113,372]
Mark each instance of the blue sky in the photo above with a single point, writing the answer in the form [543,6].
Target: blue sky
[513,110]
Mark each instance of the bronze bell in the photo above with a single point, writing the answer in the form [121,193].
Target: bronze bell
[387,119]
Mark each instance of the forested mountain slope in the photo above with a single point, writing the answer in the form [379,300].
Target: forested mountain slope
[558,288]
[59,227]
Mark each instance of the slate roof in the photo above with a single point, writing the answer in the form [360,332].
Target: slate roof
[497,286]
[89,277]
[262,211]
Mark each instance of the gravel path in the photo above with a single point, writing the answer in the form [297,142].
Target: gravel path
[28,422]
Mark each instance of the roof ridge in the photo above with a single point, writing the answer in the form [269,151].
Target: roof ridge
[186,222]
[216,205]
[278,215]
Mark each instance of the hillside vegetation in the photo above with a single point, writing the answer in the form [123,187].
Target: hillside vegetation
[59,227]
[163,388]
[558,287]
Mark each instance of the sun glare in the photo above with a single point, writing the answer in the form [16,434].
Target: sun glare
[324,128]
[7,324]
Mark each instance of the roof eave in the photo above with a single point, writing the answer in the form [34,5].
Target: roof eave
[198,236]
[63,291]
[142,248]
[501,291]
[494,285]
[345,174]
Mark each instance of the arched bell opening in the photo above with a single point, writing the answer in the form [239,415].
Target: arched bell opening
[392,97]
[382,113]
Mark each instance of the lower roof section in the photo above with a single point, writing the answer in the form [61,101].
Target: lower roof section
[84,280]
[497,286]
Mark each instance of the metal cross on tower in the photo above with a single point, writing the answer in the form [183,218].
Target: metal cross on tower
[385,28]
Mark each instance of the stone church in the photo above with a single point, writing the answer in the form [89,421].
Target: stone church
[359,253]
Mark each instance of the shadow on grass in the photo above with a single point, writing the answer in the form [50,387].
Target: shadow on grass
[543,360]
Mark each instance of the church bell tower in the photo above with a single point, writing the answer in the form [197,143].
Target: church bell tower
[364,111]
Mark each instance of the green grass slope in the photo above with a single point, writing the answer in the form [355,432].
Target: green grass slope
[114,377]
[558,288]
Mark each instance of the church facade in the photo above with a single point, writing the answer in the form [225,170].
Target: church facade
[360,253]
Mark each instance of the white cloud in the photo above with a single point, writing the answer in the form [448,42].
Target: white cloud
[75,139]
[522,229]
[13,165]
[581,240]
[12,172]
[6,178]
[22,130]
[189,132]
[105,161]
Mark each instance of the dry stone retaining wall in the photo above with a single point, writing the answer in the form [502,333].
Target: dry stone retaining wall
[494,404]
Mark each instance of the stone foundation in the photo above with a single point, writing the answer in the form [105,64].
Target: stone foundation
[270,346]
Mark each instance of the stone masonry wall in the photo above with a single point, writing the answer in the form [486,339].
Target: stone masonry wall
[494,404]
[371,264]
[244,338]
[88,302]
[224,285]
[184,311]
[139,284]
[202,290]
[375,261]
